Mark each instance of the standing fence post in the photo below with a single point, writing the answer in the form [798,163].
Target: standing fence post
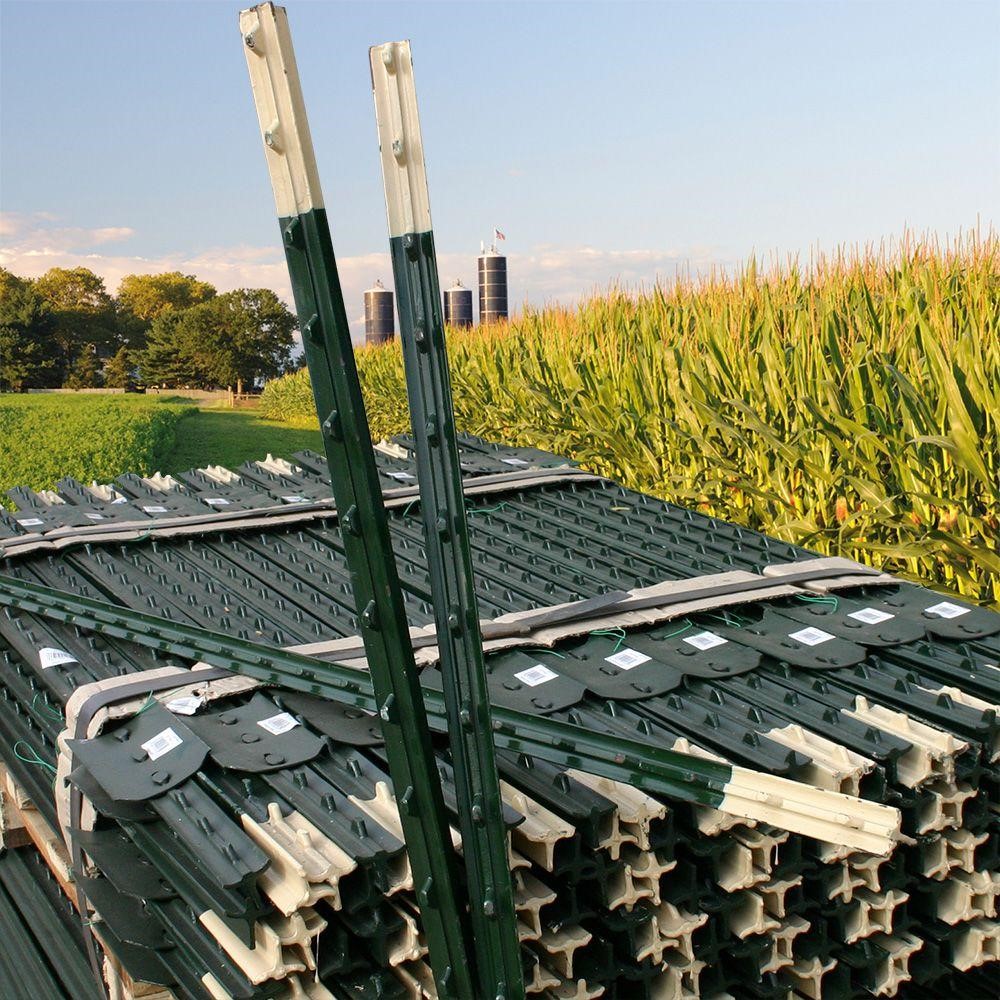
[378,598]
[446,530]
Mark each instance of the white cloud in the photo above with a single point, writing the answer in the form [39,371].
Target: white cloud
[35,233]
[543,275]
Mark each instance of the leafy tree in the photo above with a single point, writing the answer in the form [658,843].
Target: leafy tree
[83,311]
[143,298]
[84,373]
[118,370]
[169,357]
[232,339]
[27,347]
[255,336]
[148,296]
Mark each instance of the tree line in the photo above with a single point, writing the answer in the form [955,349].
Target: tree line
[64,329]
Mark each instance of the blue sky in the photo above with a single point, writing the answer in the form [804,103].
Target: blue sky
[609,141]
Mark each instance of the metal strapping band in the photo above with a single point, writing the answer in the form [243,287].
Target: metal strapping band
[214,522]
[85,715]
[544,626]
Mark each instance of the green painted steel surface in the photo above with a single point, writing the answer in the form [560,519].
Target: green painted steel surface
[449,560]
[653,768]
[381,617]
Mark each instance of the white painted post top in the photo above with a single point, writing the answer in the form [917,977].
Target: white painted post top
[277,95]
[401,145]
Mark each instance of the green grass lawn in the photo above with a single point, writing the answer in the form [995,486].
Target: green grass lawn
[44,438]
[232,437]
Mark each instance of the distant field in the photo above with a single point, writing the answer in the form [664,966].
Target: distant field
[854,409]
[87,437]
[47,437]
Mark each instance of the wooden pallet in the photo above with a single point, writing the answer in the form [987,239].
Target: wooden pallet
[21,824]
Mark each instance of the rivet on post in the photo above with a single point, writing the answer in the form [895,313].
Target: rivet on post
[331,426]
[272,136]
[369,617]
[291,232]
[312,328]
[349,520]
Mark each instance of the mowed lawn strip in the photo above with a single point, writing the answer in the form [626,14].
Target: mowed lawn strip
[232,437]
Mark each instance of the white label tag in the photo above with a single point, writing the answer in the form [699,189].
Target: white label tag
[513,461]
[50,657]
[161,743]
[187,705]
[705,640]
[96,517]
[811,636]
[627,659]
[538,674]
[31,522]
[294,499]
[870,616]
[944,610]
[401,476]
[155,510]
[216,501]
[279,724]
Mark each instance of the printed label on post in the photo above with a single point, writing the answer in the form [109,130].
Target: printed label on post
[155,510]
[31,522]
[217,501]
[811,636]
[627,659]
[278,724]
[946,610]
[513,461]
[161,743]
[705,640]
[51,657]
[187,705]
[870,616]
[538,674]
[294,499]
[96,517]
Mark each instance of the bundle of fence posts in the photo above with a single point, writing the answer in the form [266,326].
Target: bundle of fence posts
[445,718]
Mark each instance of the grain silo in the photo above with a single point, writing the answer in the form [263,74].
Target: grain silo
[492,286]
[458,305]
[379,323]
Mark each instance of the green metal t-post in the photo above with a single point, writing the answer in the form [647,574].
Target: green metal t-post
[446,531]
[344,425]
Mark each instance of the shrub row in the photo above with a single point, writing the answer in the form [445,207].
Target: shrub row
[46,438]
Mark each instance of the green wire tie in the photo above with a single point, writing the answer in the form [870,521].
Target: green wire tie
[486,510]
[679,631]
[810,599]
[46,707]
[618,633]
[34,759]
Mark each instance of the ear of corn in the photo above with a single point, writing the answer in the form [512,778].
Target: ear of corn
[853,409]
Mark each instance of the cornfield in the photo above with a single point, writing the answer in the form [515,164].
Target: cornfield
[852,407]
